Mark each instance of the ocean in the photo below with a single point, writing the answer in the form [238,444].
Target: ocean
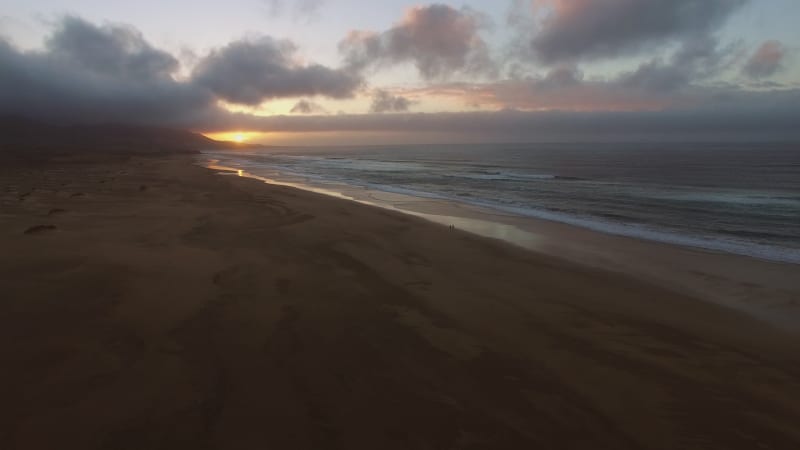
[741,198]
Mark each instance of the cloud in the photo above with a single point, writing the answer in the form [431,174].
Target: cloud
[298,9]
[307,107]
[107,73]
[438,39]
[89,73]
[114,50]
[383,101]
[586,29]
[698,58]
[563,89]
[766,61]
[251,71]
[660,83]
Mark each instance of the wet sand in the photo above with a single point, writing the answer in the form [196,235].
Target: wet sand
[152,303]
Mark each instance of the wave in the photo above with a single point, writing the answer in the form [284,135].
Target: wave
[502,176]
[638,231]
[713,243]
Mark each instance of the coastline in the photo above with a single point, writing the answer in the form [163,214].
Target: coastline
[695,214]
[194,310]
[768,290]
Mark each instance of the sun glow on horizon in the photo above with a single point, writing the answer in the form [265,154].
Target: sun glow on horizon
[239,137]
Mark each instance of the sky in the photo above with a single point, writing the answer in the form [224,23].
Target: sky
[395,71]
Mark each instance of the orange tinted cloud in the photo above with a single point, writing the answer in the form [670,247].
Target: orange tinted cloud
[766,60]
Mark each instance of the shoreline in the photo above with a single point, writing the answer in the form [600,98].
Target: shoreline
[772,252]
[766,289]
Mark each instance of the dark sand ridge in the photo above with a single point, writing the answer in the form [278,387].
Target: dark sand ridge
[166,306]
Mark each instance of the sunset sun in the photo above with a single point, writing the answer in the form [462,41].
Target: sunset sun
[238,137]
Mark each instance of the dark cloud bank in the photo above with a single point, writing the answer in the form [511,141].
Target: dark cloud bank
[94,74]
[91,74]
[100,74]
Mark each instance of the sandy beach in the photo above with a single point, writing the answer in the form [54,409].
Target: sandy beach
[152,303]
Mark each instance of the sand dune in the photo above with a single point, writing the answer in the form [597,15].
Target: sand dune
[171,307]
